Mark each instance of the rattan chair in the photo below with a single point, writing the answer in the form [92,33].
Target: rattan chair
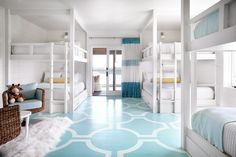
[39,95]
[9,123]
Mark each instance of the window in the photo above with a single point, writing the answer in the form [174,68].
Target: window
[233,69]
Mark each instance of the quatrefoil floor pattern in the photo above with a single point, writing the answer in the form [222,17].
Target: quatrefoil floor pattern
[116,127]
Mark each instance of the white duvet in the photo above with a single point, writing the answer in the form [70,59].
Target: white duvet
[58,92]
[203,93]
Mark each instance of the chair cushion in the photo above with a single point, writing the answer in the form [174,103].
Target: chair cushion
[29,104]
[29,90]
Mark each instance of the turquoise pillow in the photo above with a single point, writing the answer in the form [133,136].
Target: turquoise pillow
[29,90]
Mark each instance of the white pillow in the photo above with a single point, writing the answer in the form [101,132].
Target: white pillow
[47,75]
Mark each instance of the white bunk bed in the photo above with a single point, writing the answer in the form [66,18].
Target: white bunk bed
[56,84]
[167,82]
[67,92]
[219,39]
[41,51]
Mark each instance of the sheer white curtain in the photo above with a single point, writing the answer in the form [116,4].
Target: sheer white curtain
[130,70]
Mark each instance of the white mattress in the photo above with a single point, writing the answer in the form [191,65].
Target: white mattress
[229,139]
[203,93]
[45,85]
[58,92]
[167,90]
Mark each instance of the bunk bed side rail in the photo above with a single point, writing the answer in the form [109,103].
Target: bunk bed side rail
[209,28]
[80,54]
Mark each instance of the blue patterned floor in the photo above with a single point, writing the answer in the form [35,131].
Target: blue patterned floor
[115,127]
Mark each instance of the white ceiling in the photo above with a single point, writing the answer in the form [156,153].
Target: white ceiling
[112,15]
[52,22]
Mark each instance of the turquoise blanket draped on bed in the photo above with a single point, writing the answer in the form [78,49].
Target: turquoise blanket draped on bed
[209,123]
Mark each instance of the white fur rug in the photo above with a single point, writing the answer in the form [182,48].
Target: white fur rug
[43,137]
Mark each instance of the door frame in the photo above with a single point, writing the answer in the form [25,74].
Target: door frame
[108,48]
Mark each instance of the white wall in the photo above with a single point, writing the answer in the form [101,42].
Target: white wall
[55,35]
[24,72]
[206,71]
[25,31]
[227,94]
[80,68]
[80,36]
[104,42]
[229,98]
[170,36]
[2,53]
[30,71]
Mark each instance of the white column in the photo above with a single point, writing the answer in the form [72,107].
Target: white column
[72,62]
[7,45]
[89,67]
[219,82]
[160,76]
[66,79]
[175,75]
[2,50]
[185,86]
[193,82]
[51,77]
[154,53]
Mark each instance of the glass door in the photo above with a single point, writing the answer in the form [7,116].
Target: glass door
[99,70]
[106,71]
[114,72]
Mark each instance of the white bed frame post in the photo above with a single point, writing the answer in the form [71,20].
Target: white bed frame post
[72,59]
[160,77]
[88,68]
[185,86]
[175,75]
[156,107]
[7,45]
[51,76]
[66,79]
[193,82]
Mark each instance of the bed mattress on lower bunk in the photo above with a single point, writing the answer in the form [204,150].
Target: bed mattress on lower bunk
[58,92]
[218,127]
[45,85]
[203,93]
[167,90]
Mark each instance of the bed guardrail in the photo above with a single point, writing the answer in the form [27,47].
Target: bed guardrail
[80,54]
[215,19]
[37,49]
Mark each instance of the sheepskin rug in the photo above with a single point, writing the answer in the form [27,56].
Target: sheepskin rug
[43,138]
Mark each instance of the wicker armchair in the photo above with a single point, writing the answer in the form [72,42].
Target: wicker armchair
[9,123]
[39,98]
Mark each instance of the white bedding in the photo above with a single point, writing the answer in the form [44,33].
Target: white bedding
[45,85]
[203,93]
[229,139]
[167,90]
[58,89]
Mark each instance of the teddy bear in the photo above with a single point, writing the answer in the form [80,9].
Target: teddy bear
[14,94]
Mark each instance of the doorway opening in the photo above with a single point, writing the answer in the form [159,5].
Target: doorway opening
[106,71]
